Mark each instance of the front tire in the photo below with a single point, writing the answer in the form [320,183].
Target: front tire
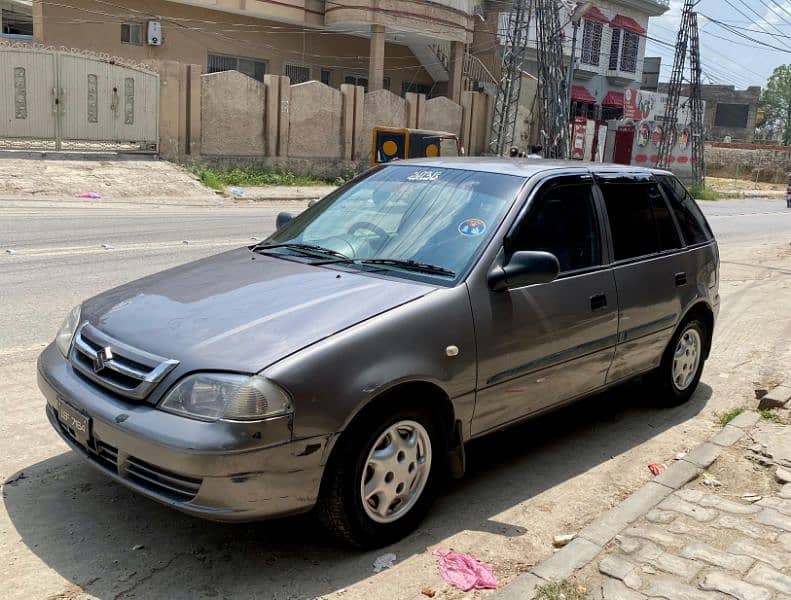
[382,479]
[683,362]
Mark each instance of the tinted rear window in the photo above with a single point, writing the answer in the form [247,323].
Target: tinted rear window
[639,220]
[691,221]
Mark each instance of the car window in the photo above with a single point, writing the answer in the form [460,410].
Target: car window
[631,216]
[666,228]
[691,221]
[563,222]
[439,216]
[640,221]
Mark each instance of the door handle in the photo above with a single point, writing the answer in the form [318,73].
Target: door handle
[681,279]
[598,301]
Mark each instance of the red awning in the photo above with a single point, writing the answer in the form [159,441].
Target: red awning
[613,100]
[597,16]
[627,23]
[580,94]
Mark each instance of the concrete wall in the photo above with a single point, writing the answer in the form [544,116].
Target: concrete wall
[316,121]
[749,162]
[381,109]
[442,114]
[229,115]
[232,115]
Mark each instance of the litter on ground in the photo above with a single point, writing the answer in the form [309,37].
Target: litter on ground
[384,562]
[657,468]
[464,571]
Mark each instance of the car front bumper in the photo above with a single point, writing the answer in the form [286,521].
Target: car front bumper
[220,471]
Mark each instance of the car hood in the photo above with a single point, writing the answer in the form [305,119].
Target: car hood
[239,311]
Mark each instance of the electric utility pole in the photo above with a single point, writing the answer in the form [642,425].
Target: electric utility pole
[688,41]
[551,80]
[509,88]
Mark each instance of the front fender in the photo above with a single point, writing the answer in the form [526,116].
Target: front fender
[332,380]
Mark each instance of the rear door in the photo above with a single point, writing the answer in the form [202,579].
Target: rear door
[648,268]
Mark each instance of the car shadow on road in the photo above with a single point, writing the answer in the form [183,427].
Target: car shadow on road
[113,543]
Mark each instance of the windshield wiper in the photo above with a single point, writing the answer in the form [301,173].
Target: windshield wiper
[408,265]
[304,248]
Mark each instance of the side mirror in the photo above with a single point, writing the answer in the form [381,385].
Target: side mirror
[283,219]
[524,268]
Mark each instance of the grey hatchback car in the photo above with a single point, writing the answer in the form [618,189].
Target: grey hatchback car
[342,364]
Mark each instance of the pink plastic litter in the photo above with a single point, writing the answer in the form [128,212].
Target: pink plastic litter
[464,571]
[91,195]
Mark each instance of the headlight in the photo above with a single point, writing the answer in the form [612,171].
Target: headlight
[214,396]
[66,331]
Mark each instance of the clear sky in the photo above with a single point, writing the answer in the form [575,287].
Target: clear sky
[732,60]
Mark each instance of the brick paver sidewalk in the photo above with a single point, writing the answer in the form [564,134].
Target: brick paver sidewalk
[715,525]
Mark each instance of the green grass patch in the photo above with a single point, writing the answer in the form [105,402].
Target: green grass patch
[701,192]
[219,179]
[561,590]
[727,417]
[770,416]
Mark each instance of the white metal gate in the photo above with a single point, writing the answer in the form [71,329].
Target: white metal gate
[59,100]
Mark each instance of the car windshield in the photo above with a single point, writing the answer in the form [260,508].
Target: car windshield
[407,216]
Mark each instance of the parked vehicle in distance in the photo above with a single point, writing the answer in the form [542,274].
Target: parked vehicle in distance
[342,363]
[397,143]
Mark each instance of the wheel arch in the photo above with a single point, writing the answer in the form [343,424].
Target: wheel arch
[703,312]
[437,401]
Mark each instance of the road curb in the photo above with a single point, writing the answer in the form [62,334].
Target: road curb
[593,538]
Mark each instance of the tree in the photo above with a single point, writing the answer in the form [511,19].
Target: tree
[777,100]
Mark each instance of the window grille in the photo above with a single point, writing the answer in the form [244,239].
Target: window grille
[591,43]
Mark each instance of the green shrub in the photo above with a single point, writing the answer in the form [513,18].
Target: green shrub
[219,179]
[701,192]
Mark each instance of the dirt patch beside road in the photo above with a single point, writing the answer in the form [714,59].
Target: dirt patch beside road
[25,177]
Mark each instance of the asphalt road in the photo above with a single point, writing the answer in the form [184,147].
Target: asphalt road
[59,255]
[68,532]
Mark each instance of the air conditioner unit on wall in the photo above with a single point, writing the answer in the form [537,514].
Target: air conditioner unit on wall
[154,33]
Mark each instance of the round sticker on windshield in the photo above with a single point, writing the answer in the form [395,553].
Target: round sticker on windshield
[472,227]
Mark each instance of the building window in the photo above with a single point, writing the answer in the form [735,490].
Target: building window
[591,42]
[326,77]
[417,88]
[357,80]
[13,21]
[615,49]
[296,73]
[247,66]
[132,33]
[629,51]
[732,115]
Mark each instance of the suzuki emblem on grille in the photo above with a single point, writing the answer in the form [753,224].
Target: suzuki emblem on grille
[103,356]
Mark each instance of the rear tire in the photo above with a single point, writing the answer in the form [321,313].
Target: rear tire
[682,364]
[382,478]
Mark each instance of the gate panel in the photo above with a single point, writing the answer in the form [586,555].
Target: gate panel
[109,104]
[27,98]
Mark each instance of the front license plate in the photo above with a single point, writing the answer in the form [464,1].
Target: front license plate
[77,422]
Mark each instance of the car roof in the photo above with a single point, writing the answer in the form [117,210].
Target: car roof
[524,167]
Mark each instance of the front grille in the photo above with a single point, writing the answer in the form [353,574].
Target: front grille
[160,480]
[102,453]
[127,371]
[107,455]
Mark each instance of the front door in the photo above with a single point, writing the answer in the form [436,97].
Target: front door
[543,344]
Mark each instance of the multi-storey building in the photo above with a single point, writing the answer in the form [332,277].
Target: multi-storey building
[402,45]
[610,49]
